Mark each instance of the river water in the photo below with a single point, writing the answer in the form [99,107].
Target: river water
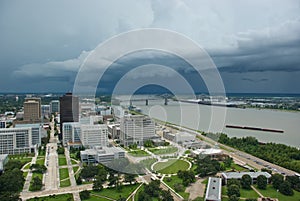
[215,118]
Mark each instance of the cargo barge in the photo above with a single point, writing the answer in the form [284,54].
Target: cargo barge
[255,128]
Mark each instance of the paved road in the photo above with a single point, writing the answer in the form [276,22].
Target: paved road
[52,177]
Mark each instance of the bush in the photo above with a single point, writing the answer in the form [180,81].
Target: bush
[84,195]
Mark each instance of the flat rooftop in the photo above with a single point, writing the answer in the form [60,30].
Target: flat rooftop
[238,175]
[214,188]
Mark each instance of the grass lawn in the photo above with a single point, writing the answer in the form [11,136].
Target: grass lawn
[271,192]
[63,173]
[65,197]
[171,166]
[176,180]
[138,153]
[25,174]
[65,183]
[148,162]
[75,169]
[237,167]
[114,194]
[248,193]
[26,167]
[160,151]
[40,160]
[37,175]
[73,162]
[62,160]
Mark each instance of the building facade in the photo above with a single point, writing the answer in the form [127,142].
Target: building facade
[32,109]
[16,141]
[69,109]
[101,154]
[36,132]
[136,129]
[54,106]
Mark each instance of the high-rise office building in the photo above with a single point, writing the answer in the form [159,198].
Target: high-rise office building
[36,132]
[54,106]
[89,135]
[16,140]
[136,129]
[32,109]
[69,109]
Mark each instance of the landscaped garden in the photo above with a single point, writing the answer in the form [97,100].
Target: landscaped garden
[171,166]
[65,197]
[138,153]
[163,150]
[62,160]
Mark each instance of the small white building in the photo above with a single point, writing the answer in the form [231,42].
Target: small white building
[214,189]
[101,154]
[238,175]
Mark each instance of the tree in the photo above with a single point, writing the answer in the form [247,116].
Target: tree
[233,190]
[178,187]
[12,164]
[233,181]
[121,199]
[84,195]
[295,182]
[148,143]
[153,189]
[97,184]
[166,196]
[129,178]
[277,179]
[228,161]
[37,184]
[262,182]
[142,196]
[186,176]
[285,188]
[246,181]
[233,198]
[112,179]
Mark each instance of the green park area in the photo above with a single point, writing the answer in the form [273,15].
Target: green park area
[112,193]
[62,160]
[65,197]
[171,166]
[64,177]
[148,162]
[164,150]
[273,193]
[176,183]
[138,153]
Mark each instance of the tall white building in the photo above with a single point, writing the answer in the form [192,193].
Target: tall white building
[88,135]
[94,135]
[136,129]
[36,132]
[54,106]
[71,132]
[16,140]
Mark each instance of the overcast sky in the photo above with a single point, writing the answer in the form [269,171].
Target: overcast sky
[255,44]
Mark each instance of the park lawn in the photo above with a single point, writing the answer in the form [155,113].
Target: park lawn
[248,193]
[96,198]
[25,174]
[65,197]
[237,168]
[73,162]
[40,160]
[167,150]
[272,192]
[148,162]
[62,160]
[138,153]
[172,166]
[63,173]
[115,194]
[65,183]
[75,169]
[176,180]
[26,167]
[37,175]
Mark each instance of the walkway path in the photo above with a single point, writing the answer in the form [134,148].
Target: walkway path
[29,175]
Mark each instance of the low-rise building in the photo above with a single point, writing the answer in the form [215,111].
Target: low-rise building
[238,175]
[101,154]
[214,189]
